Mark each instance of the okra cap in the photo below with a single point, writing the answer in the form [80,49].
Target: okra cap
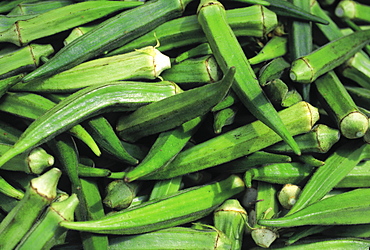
[354,125]
[45,185]
[301,71]
[38,160]
[346,9]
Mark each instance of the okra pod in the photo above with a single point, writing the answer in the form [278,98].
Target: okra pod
[279,173]
[228,53]
[238,142]
[167,145]
[24,59]
[319,140]
[254,21]
[144,63]
[166,187]
[307,68]
[276,47]
[120,194]
[182,207]
[174,238]
[194,72]
[77,32]
[336,167]
[109,35]
[357,69]
[85,103]
[39,194]
[7,83]
[37,7]
[288,195]
[245,163]
[32,106]
[272,70]
[360,95]
[281,93]
[61,19]
[173,111]
[337,101]
[9,190]
[32,162]
[353,10]
[231,218]
[224,117]
[8,133]
[46,232]
[328,211]
[202,49]
[341,243]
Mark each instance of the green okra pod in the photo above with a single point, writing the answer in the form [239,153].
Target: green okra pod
[307,68]
[32,162]
[182,207]
[224,117]
[8,133]
[174,238]
[353,10]
[194,72]
[167,145]
[77,32]
[24,59]
[31,106]
[231,218]
[37,7]
[120,194]
[272,70]
[228,53]
[109,35]
[338,102]
[336,167]
[360,95]
[166,187]
[173,111]
[7,189]
[319,140]
[342,209]
[88,171]
[276,47]
[79,106]
[202,49]
[46,232]
[39,194]
[341,243]
[238,142]
[144,63]
[282,94]
[279,173]
[61,19]
[243,164]
[7,83]
[357,69]
[254,21]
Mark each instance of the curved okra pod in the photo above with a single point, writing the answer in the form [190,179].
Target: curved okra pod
[254,21]
[353,10]
[272,70]
[182,207]
[224,117]
[238,142]
[276,47]
[336,167]
[9,190]
[144,63]
[307,68]
[7,83]
[202,49]
[39,194]
[32,106]
[119,194]
[60,19]
[167,145]
[342,209]
[24,59]
[338,102]
[173,238]
[173,111]
[228,53]
[109,35]
[281,93]
[46,232]
[86,103]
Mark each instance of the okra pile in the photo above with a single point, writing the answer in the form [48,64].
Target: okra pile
[185,124]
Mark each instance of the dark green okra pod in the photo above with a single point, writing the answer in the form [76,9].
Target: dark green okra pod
[109,35]
[182,207]
[228,53]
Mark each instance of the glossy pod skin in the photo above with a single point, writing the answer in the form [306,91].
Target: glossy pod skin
[183,206]
[80,107]
[109,35]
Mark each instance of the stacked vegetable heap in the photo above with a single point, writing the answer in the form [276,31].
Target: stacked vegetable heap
[180,124]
